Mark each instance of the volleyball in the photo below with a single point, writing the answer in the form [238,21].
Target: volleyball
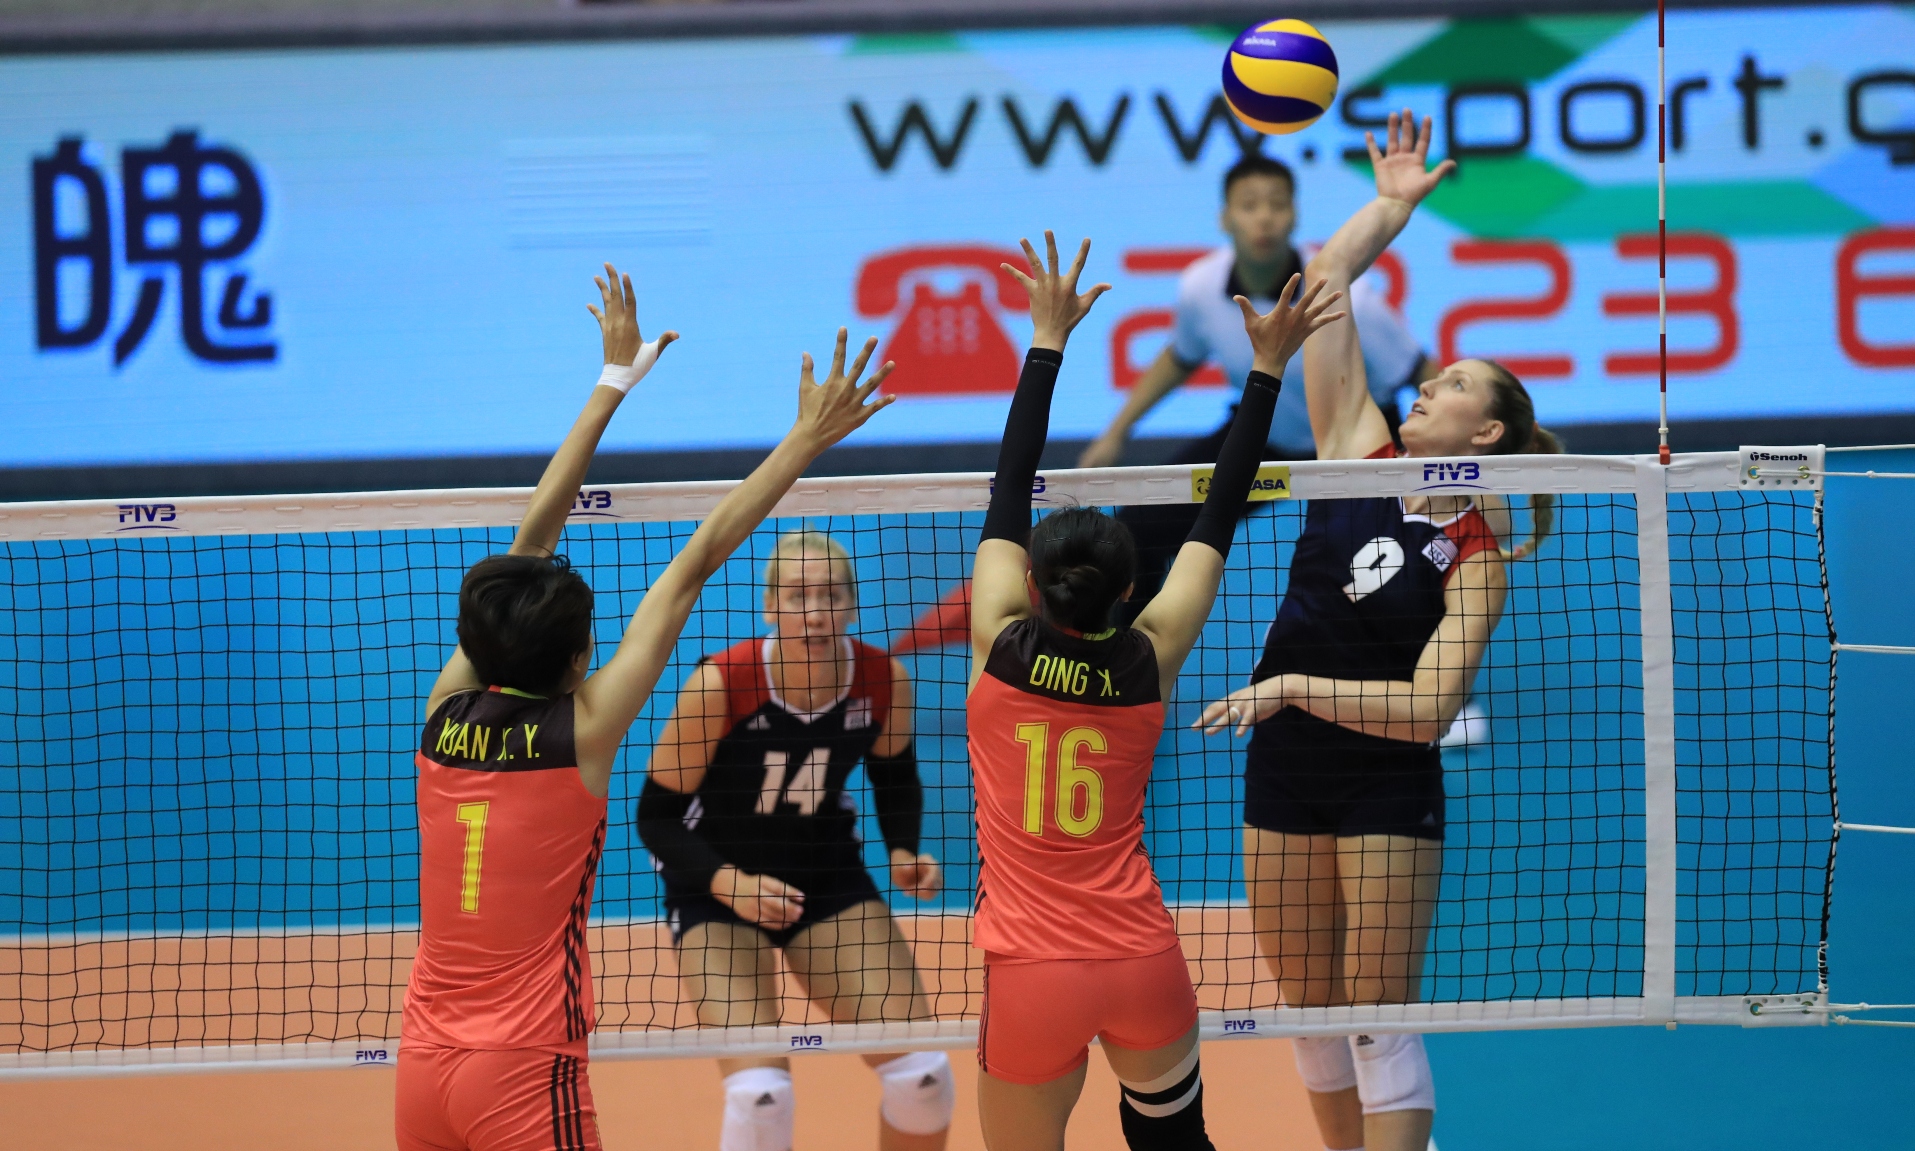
[1279,76]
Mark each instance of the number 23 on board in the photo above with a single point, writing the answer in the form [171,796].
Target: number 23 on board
[1079,790]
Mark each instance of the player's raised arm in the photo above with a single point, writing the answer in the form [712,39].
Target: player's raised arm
[628,356]
[999,589]
[1344,418]
[1175,618]
[610,700]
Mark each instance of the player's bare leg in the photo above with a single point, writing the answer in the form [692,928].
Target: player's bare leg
[730,972]
[1027,1117]
[1389,890]
[858,967]
[1296,903]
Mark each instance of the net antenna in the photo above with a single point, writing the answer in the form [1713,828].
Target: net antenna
[1662,234]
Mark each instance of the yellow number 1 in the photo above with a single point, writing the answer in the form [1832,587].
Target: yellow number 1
[473,816]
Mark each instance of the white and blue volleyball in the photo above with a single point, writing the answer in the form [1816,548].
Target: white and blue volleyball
[1279,77]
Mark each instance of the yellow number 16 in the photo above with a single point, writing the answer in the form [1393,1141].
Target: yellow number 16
[1071,778]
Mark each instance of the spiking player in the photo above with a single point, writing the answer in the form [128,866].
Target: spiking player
[1064,716]
[763,741]
[514,767]
[1390,605]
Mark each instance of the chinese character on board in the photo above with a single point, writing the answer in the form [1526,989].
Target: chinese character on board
[186,205]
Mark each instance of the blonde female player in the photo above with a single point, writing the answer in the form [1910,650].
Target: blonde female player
[1389,607]
[1064,716]
[514,766]
[763,741]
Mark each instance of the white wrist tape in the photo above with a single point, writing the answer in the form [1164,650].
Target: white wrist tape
[622,377]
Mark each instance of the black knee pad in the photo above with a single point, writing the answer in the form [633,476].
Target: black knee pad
[1151,1130]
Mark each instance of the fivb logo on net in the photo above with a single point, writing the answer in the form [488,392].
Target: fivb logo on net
[193,207]
[1443,474]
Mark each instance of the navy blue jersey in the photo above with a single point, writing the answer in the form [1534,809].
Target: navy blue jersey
[1366,592]
[773,800]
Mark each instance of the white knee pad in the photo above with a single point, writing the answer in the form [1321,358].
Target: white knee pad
[759,1110]
[1393,1073]
[919,1092]
[1325,1063]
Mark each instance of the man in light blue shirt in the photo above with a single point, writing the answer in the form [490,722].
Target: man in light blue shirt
[1258,215]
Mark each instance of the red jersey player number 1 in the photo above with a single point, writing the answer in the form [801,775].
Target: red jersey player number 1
[515,763]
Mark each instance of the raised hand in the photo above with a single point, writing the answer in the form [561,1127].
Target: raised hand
[830,411]
[618,323]
[917,875]
[1056,307]
[1400,167]
[765,900]
[1277,336]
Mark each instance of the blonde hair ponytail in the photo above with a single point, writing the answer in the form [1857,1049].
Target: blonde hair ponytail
[1511,404]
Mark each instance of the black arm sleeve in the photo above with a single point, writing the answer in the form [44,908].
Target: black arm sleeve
[1025,431]
[898,795]
[661,827]
[1237,464]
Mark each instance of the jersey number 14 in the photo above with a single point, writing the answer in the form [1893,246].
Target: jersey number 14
[1079,790]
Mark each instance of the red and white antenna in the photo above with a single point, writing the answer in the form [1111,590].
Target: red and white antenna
[1662,237]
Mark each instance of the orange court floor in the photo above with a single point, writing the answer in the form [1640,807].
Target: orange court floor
[1252,1099]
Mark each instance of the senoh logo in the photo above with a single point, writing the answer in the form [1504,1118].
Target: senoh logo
[1452,474]
[1272,482]
[595,503]
[148,517]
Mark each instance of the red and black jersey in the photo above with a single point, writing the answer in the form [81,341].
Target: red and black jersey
[773,799]
[509,843]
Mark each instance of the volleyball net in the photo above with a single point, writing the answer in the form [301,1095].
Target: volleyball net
[208,847]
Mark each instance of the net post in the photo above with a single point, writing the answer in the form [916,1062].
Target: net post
[1659,746]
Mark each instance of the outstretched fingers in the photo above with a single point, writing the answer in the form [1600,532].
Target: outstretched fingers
[864,355]
[1077,265]
[805,377]
[837,354]
[1050,250]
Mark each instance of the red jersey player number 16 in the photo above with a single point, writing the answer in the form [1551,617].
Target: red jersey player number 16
[1064,716]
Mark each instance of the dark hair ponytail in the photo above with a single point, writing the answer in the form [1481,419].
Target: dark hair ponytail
[1511,404]
[523,620]
[1083,561]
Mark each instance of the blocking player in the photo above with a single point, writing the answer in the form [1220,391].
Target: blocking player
[747,811]
[1064,715]
[1390,605]
[514,766]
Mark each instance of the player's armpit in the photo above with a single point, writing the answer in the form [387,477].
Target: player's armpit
[458,675]
[1175,617]
[999,594]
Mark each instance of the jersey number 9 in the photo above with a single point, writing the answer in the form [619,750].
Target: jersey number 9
[1072,779]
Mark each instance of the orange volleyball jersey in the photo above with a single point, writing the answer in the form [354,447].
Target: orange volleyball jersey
[509,844]
[1063,731]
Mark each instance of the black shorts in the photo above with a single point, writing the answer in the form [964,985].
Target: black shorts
[1345,791]
[826,894]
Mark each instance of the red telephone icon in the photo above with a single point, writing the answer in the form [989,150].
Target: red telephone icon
[945,345]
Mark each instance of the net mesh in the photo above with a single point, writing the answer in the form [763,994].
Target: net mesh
[207,833]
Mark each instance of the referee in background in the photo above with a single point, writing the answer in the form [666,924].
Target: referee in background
[1259,213]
